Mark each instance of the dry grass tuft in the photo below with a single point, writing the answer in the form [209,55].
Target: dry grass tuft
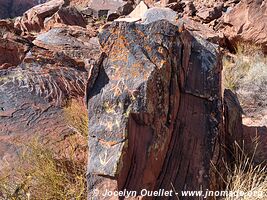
[245,177]
[39,174]
[76,116]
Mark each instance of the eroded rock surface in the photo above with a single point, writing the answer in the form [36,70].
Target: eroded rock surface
[33,19]
[66,15]
[154,104]
[234,133]
[153,91]
[12,50]
[38,81]
[246,22]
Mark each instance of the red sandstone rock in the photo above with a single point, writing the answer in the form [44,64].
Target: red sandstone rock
[43,80]
[101,8]
[247,22]
[154,94]
[76,42]
[66,15]
[203,30]
[209,14]
[12,51]
[8,26]
[33,19]
[32,98]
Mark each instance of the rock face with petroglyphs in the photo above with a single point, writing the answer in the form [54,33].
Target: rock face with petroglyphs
[152,78]
[154,109]
[39,80]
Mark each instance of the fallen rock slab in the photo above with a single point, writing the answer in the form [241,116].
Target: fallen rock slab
[42,81]
[33,19]
[209,14]
[75,42]
[66,15]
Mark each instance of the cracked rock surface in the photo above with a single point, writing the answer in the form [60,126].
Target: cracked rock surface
[154,109]
[38,80]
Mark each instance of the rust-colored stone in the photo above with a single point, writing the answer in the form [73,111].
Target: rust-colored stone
[156,98]
[240,23]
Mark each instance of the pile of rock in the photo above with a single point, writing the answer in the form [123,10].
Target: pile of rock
[157,115]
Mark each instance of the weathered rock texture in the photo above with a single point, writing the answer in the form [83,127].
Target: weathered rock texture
[234,136]
[37,82]
[66,15]
[33,19]
[12,50]
[240,135]
[155,109]
[246,22]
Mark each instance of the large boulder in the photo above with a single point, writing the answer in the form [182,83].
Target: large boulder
[247,22]
[33,96]
[154,103]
